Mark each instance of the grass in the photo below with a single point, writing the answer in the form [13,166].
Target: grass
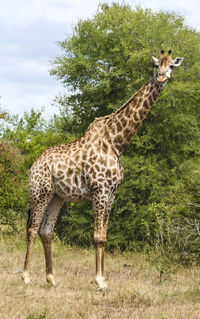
[135,290]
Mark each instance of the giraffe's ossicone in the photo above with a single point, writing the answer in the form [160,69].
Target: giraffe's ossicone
[88,169]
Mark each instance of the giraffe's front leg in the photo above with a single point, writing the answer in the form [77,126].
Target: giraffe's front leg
[101,209]
[100,280]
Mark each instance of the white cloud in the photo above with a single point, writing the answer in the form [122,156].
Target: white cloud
[188,8]
[18,67]
[23,12]
[171,5]
[17,98]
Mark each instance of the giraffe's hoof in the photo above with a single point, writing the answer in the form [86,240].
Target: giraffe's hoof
[25,277]
[51,280]
[101,283]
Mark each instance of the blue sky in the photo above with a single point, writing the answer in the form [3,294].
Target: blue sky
[29,33]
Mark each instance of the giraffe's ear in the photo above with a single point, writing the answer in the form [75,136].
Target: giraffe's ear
[155,60]
[177,61]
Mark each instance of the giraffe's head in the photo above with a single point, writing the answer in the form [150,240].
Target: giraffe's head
[165,65]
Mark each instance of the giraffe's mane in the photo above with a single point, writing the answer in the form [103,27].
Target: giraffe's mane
[133,97]
[106,117]
[96,121]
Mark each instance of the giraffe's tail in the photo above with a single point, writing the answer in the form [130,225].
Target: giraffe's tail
[29,216]
[28,220]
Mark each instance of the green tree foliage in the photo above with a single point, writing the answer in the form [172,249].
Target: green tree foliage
[32,134]
[108,58]
[13,188]
[105,61]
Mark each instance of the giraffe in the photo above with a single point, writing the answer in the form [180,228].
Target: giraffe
[88,168]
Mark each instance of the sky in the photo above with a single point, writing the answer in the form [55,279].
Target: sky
[29,35]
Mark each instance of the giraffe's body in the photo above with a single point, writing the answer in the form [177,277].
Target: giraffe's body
[86,169]
[75,170]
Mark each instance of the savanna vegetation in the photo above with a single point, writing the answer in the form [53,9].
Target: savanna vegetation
[136,289]
[105,60]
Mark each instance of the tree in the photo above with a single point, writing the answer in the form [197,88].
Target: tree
[108,58]
[105,61]
[32,134]
[13,186]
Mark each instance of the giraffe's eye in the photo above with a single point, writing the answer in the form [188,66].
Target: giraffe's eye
[171,67]
[156,66]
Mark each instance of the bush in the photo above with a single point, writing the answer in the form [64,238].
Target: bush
[13,185]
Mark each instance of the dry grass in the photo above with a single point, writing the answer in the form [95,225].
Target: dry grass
[134,287]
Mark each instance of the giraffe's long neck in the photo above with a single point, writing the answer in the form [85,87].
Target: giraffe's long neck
[125,122]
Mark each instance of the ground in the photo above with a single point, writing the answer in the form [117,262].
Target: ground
[135,288]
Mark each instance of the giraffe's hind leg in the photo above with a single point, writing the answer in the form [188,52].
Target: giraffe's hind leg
[45,232]
[34,220]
